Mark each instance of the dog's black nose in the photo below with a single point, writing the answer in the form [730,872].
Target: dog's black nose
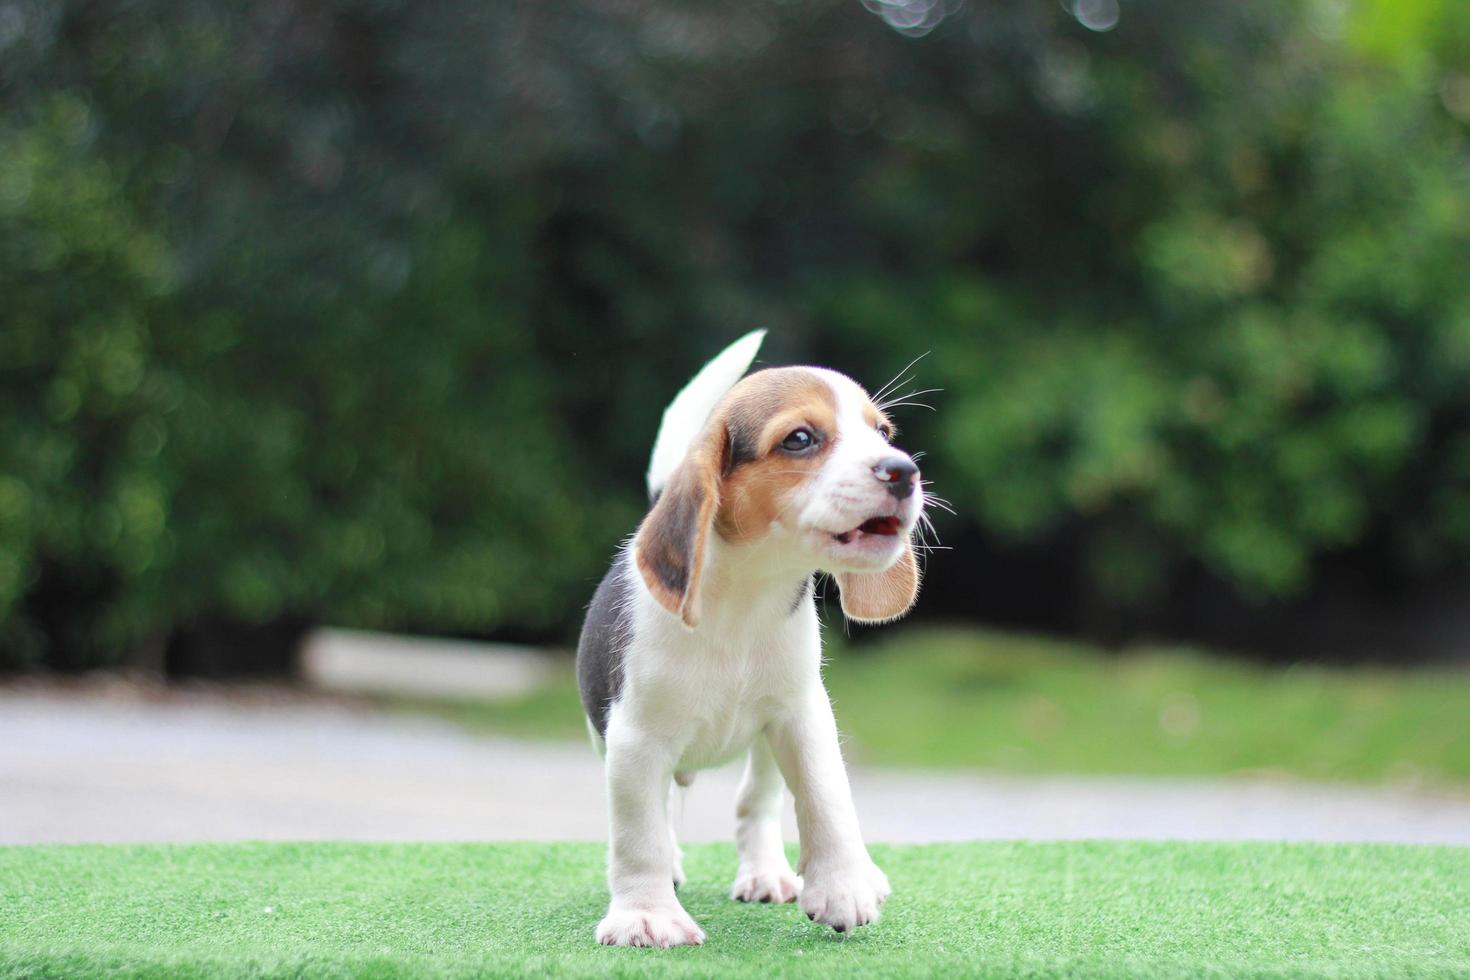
[899,473]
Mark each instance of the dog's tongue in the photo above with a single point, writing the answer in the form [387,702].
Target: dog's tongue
[880,525]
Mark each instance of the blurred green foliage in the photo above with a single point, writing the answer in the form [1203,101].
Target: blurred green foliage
[364,311]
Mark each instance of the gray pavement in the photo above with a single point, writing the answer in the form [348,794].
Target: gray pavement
[85,766]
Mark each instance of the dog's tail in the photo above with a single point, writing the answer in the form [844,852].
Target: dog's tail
[691,408]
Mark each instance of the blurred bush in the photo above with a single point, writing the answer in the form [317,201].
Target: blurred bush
[364,310]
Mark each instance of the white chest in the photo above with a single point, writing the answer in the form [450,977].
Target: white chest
[707,694]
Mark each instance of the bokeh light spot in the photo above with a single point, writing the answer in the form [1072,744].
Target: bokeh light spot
[1096,15]
[913,18]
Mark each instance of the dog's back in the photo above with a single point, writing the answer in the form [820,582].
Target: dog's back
[605,635]
[607,627]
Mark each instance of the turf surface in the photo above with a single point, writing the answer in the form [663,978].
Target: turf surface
[991,909]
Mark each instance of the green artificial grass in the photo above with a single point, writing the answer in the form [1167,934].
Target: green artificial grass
[987,909]
[966,698]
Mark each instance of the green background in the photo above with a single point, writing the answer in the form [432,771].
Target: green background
[364,311]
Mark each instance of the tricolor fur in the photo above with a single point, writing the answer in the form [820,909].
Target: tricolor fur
[702,643]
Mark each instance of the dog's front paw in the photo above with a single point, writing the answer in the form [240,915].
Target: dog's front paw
[663,926]
[844,896]
[773,883]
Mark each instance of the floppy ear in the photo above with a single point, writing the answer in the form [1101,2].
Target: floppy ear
[879,597]
[670,545]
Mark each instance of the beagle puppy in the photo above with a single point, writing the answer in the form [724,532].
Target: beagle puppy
[702,642]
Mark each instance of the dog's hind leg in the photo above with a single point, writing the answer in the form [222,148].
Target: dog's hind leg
[764,875]
[675,801]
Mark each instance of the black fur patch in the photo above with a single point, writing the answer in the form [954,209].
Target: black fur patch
[743,448]
[605,634]
[802,591]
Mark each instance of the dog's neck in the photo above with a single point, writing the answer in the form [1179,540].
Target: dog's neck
[750,582]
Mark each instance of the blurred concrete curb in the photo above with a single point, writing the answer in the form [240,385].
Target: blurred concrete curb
[360,662]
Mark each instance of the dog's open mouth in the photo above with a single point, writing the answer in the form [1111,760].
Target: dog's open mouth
[882,526]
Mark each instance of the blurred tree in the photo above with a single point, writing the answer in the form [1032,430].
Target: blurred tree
[365,310]
[81,512]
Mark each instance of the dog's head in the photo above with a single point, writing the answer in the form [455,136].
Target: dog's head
[802,460]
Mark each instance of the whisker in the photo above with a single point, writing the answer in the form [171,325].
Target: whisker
[931,497]
[927,528]
[888,392]
[924,529]
[894,400]
[922,545]
[897,393]
[889,405]
[902,371]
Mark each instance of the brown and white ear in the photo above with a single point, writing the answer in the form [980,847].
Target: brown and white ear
[880,597]
[670,545]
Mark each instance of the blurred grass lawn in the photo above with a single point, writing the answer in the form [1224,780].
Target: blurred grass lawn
[1021,704]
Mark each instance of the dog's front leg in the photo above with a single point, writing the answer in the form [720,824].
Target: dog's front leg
[644,910]
[842,887]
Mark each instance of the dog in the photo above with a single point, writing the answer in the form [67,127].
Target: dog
[702,642]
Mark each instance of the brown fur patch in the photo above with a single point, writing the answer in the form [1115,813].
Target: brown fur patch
[879,419]
[877,597]
[670,544]
[760,412]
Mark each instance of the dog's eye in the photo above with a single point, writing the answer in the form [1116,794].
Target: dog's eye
[886,431]
[798,440]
